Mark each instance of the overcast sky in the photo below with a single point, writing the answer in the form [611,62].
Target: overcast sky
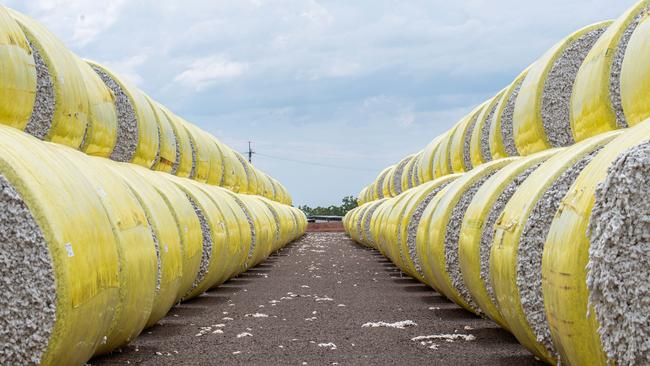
[350,86]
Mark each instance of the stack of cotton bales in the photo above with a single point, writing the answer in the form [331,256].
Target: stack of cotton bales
[533,210]
[112,209]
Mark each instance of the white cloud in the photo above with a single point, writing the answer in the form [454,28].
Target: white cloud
[206,71]
[127,68]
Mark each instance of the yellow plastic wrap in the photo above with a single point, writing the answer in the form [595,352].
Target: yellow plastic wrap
[167,148]
[262,224]
[187,224]
[415,179]
[460,141]
[101,132]
[386,182]
[432,248]
[18,83]
[167,238]
[234,175]
[635,75]
[365,220]
[70,214]
[564,276]
[592,109]
[148,141]
[426,163]
[471,232]
[138,260]
[379,183]
[529,132]
[479,141]
[508,230]
[497,147]
[405,180]
[185,158]
[202,163]
[71,107]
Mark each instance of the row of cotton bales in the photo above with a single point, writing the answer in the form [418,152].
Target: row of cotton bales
[93,251]
[595,80]
[554,246]
[55,96]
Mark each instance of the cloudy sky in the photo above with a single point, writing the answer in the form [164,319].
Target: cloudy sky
[329,92]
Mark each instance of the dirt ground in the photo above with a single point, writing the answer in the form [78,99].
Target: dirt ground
[314,303]
[334,226]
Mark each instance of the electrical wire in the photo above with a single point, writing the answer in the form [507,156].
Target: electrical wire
[331,166]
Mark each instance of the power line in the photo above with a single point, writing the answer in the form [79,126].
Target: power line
[316,164]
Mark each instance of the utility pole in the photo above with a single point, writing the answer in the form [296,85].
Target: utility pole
[250,153]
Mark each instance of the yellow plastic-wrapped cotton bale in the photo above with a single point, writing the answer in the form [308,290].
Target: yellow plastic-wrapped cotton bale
[460,152]
[479,149]
[594,269]
[635,75]
[541,115]
[137,129]
[502,141]
[61,106]
[167,154]
[596,105]
[426,162]
[520,234]
[439,232]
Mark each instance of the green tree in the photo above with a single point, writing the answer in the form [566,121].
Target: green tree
[347,204]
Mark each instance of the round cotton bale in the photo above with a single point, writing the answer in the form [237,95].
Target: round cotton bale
[393,227]
[426,164]
[167,154]
[384,186]
[596,104]
[461,158]
[410,220]
[187,224]
[502,142]
[139,260]
[518,244]
[396,180]
[185,160]
[635,75]
[60,258]
[441,160]
[379,183]
[362,196]
[594,269]
[61,107]
[479,149]
[203,153]
[19,69]
[407,174]
[477,230]
[440,255]
[541,115]
[166,236]
[365,219]
[234,175]
[414,171]
[138,141]
[357,226]
[264,229]
[251,188]
[214,236]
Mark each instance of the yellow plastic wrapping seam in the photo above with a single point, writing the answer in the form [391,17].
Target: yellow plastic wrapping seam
[596,100]
[471,250]
[442,160]
[508,231]
[209,269]
[479,147]
[499,145]
[166,157]
[166,236]
[82,269]
[146,139]
[185,154]
[426,163]
[186,221]
[101,133]
[433,250]
[138,259]
[18,86]
[408,227]
[530,124]
[574,327]
[230,259]
[459,152]
[635,75]
[61,107]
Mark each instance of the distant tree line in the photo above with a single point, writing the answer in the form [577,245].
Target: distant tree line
[347,204]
